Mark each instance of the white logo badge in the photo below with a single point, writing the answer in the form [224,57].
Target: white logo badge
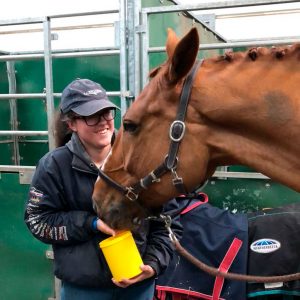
[265,246]
[92,92]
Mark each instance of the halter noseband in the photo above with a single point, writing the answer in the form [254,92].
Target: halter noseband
[176,134]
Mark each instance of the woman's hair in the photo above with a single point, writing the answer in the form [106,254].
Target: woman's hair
[62,132]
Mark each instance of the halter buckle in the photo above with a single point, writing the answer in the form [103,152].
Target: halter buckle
[177,130]
[154,177]
[130,194]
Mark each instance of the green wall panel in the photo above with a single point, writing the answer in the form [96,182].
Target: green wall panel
[31,152]
[25,272]
[247,195]
[6,152]
[104,70]
[3,78]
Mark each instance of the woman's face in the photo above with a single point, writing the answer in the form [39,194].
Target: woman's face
[95,132]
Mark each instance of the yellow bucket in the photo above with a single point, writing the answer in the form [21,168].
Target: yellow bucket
[122,255]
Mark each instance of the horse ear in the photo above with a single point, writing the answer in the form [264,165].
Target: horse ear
[172,42]
[184,56]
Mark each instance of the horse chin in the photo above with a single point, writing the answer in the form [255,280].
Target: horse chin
[122,216]
[124,224]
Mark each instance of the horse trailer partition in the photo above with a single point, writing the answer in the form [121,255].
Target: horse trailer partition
[30,86]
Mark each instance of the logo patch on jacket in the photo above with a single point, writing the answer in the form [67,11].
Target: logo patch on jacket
[35,195]
[265,245]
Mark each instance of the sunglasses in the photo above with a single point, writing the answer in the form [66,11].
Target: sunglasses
[96,118]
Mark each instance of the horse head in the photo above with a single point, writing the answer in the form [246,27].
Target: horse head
[143,140]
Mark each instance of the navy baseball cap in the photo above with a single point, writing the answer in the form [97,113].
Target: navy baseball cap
[84,97]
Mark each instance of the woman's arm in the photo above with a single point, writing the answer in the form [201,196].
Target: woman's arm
[47,214]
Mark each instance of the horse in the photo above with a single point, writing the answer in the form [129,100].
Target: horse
[239,108]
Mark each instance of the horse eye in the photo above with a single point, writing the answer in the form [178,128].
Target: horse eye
[130,127]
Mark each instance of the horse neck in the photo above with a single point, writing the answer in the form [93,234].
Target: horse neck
[251,111]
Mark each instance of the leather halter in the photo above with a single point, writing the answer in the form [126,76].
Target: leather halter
[176,134]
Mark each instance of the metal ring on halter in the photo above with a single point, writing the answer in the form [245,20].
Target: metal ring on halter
[174,139]
[130,195]
[175,162]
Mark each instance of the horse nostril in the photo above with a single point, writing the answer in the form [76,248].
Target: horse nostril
[136,221]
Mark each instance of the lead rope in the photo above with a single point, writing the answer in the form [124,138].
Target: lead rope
[216,272]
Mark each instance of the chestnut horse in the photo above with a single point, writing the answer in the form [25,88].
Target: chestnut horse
[244,108]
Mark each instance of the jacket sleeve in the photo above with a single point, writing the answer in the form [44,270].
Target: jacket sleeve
[46,212]
[159,251]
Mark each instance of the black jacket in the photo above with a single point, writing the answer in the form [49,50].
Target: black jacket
[59,212]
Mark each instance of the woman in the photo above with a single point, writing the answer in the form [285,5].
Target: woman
[59,210]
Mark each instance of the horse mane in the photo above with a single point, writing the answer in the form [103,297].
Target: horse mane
[257,52]
[253,54]
[62,134]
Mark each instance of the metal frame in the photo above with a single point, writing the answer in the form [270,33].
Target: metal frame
[48,55]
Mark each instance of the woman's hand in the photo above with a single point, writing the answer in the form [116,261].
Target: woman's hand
[147,272]
[103,227]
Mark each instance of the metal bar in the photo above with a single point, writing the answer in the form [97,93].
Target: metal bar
[43,95]
[270,39]
[212,5]
[24,132]
[61,28]
[9,168]
[58,55]
[242,175]
[26,96]
[137,45]
[145,47]
[21,21]
[89,49]
[81,14]
[258,14]
[6,141]
[24,140]
[49,83]
[13,109]
[131,45]
[41,20]
[123,55]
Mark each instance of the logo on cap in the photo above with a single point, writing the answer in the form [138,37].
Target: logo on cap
[92,92]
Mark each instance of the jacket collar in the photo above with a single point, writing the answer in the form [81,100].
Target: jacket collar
[81,159]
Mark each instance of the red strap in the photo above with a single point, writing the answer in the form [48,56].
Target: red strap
[225,265]
[182,292]
[161,295]
[196,204]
